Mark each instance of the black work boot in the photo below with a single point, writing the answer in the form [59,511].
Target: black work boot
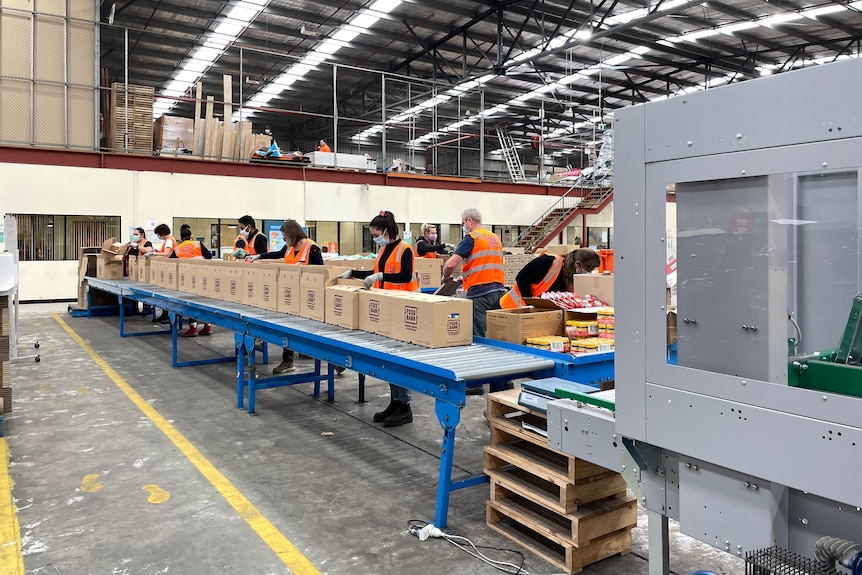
[381,416]
[403,414]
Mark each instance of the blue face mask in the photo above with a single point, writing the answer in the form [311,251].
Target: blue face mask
[464,229]
[380,241]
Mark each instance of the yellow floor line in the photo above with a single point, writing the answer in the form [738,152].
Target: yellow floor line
[11,558]
[286,551]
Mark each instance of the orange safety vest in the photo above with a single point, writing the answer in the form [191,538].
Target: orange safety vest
[429,255]
[393,266]
[324,148]
[189,249]
[249,244]
[485,263]
[165,242]
[514,298]
[299,256]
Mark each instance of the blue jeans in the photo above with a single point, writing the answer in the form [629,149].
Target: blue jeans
[399,393]
[481,305]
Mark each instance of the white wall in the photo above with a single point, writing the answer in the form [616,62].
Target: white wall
[138,196]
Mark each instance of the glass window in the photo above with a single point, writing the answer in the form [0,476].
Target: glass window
[54,238]
[763,268]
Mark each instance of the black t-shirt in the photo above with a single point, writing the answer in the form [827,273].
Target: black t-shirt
[134,251]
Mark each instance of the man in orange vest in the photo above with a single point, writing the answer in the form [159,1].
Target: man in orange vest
[549,272]
[249,242]
[481,256]
[323,147]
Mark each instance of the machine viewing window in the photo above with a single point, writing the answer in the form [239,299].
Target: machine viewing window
[766,270]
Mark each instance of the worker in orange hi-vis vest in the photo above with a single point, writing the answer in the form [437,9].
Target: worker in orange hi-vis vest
[393,270]
[428,245]
[166,250]
[549,272]
[323,147]
[249,240]
[480,255]
[298,249]
[190,249]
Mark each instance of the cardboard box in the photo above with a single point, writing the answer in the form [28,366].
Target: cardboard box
[207,273]
[139,269]
[113,251]
[559,250]
[363,265]
[342,305]
[516,325]
[184,272]
[231,276]
[432,321]
[260,286]
[312,294]
[375,311]
[109,269]
[287,287]
[216,282]
[165,271]
[601,286]
[429,271]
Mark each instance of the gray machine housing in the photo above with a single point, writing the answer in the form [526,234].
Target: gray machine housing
[725,446]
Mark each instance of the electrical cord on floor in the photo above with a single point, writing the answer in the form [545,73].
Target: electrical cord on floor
[423,530]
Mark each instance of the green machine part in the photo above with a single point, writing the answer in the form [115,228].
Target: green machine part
[834,371]
[587,398]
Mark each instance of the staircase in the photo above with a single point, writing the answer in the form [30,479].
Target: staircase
[510,155]
[574,202]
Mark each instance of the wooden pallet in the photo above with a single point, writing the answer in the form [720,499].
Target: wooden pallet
[557,551]
[589,522]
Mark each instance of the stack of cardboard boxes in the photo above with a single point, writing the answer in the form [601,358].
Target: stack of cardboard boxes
[317,292]
[5,355]
[105,262]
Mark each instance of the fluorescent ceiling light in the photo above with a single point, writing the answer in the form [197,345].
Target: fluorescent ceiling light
[242,13]
[186,76]
[618,59]
[731,28]
[692,36]
[640,50]
[779,19]
[813,12]
[196,66]
[345,35]
[384,6]
[364,21]
[583,34]
[206,54]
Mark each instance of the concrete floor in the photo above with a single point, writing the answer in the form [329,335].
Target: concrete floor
[100,488]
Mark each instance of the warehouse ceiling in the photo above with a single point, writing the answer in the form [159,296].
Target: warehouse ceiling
[527,66]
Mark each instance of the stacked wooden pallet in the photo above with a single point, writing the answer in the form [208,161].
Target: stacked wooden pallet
[514,263]
[5,355]
[136,103]
[568,511]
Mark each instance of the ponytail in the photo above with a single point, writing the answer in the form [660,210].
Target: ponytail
[385,221]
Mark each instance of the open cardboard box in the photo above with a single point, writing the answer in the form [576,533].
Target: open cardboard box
[113,251]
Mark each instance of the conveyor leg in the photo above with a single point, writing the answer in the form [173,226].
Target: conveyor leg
[250,381]
[175,328]
[448,415]
[122,314]
[239,343]
[316,394]
[659,546]
[330,381]
[361,398]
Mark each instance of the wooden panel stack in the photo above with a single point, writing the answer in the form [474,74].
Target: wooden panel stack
[567,511]
[5,355]
[140,115]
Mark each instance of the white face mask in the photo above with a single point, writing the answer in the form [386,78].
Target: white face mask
[381,240]
[244,233]
[136,238]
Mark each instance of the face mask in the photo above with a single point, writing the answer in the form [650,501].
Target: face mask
[136,238]
[380,241]
[244,233]
[464,229]
[433,237]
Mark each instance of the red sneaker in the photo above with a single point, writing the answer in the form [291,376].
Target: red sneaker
[207,330]
[191,332]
